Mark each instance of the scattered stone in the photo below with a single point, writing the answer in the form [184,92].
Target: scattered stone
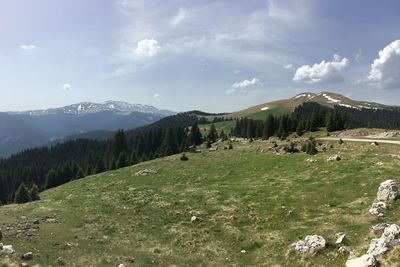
[389,238]
[23,264]
[341,237]
[27,256]
[334,158]
[343,250]
[363,261]
[311,160]
[243,251]
[6,250]
[377,208]
[309,244]
[388,190]
[193,219]
[379,228]
[145,172]
[121,265]
[36,222]
[379,163]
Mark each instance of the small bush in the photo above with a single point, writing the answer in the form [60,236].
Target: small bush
[184,158]
[291,148]
[230,146]
[340,141]
[311,147]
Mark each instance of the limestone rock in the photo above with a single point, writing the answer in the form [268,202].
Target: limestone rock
[341,237]
[6,250]
[193,219]
[377,208]
[363,261]
[145,172]
[334,158]
[310,243]
[27,256]
[343,249]
[121,265]
[388,190]
[389,238]
[379,228]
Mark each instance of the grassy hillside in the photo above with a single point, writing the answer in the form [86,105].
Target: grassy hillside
[245,199]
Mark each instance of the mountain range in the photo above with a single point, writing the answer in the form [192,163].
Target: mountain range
[26,129]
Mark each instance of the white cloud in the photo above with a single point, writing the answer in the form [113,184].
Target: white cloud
[385,71]
[178,18]
[242,84]
[324,72]
[156,96]
[67,87]
[288,66]
[148,48]
[28,47]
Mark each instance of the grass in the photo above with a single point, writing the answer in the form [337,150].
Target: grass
[245,199]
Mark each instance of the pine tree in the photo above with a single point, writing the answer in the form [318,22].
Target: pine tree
[22,194]
[119,143]
[195,137]
[34,192]
[122,160]
[212,135]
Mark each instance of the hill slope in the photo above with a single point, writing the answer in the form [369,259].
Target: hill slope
[323,98]
[249,207]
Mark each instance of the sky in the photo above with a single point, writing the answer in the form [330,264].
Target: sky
[215,56]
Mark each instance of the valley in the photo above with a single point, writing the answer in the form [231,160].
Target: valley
[250,204]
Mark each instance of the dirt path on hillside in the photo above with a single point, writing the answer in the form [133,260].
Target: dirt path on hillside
[368,140]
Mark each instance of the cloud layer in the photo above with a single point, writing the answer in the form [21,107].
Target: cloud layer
[324,72]
[385,70]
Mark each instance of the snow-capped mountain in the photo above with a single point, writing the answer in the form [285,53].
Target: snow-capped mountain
[117,107]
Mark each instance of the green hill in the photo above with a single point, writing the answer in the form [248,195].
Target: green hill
[249,203]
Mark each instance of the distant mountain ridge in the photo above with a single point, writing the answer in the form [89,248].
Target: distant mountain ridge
[27,129]
[82,108]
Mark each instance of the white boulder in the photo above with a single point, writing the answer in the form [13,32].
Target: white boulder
[379,228]
[310,243]
[6,250]
[341,237]
[363,261]
[377,208]
[388,190]
[334,158]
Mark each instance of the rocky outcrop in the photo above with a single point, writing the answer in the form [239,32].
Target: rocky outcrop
[311,243]
[388,190]
[363,261]
[389,238]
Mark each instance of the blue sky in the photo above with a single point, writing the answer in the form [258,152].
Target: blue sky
[209,55]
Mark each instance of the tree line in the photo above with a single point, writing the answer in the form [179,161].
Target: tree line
[48,167]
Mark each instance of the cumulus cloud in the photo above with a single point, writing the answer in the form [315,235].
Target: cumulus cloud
[242,84]
[288,66]
[67,87]
[156,95]
[385,70]
[148,48]
[324,72]
[178,18]
[28,47]
[359,55]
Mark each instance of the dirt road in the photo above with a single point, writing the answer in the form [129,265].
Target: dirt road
[367,140]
